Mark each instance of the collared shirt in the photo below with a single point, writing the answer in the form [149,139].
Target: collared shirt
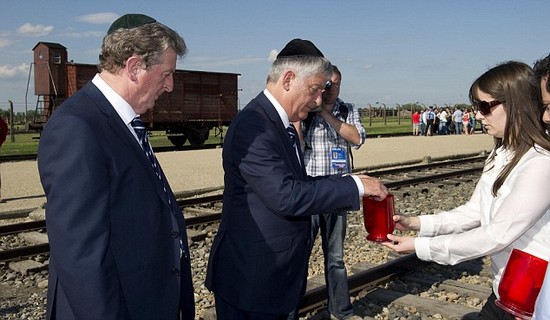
[282,114]
[430,115]
[443,116]
[517,218]
[278,107]
[321,137]
[457,116]
[286,122]
[122,108]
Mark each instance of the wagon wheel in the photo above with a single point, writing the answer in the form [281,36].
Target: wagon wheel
[178,141]
[198,137]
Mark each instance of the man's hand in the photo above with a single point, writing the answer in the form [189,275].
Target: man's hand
[373,187]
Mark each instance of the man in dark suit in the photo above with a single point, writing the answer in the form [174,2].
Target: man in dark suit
[258,261]
[117,237]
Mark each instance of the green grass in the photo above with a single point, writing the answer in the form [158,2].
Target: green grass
[27,143]
[376,126]
[24,143]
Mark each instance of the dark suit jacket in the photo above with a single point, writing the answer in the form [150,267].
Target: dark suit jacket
[114,239]
[258,261]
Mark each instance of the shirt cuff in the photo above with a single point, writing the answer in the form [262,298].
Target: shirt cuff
[359,184]
[422,248]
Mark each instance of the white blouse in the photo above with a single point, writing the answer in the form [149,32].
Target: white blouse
[518,217]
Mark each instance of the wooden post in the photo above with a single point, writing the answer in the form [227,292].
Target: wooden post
[398,113]
[12,131]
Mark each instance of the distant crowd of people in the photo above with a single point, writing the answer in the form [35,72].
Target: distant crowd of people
[443,121]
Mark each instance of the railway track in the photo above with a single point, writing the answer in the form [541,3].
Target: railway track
[403,282]
[33,157]
[368,281]
[423,174]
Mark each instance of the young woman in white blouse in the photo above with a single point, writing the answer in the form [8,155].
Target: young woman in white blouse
[510,204]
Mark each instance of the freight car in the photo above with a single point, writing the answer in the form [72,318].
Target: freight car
[199,102]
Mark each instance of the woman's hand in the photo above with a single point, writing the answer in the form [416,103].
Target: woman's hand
[400,244]
[406,223]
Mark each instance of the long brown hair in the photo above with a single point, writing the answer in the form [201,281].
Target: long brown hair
[515,83]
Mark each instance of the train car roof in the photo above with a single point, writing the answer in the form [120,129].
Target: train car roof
[177,70]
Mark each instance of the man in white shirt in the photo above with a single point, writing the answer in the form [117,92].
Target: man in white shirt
[457,119]
[442,122]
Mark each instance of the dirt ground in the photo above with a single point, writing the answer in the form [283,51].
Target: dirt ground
[202,169]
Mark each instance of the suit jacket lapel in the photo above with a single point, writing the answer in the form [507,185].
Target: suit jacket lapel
[122,131]
[290,152]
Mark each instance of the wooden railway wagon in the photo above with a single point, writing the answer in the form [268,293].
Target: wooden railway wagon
[199,102]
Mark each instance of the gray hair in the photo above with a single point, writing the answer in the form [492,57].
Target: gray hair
[303,66]
[148,41]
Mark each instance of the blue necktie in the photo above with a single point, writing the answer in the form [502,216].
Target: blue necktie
[292,134]
[139,128]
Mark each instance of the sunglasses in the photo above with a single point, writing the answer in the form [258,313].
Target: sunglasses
[485,107]
[328,85]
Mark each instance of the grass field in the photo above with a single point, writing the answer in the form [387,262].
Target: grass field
[27,143]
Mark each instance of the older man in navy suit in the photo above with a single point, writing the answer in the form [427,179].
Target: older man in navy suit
[258,262]
[117,237]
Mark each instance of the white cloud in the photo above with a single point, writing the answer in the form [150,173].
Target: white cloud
[38,30]
[98,18]
[87,34]
[5,43]
[216,62]
[368,66]
[9,71]
[272,55]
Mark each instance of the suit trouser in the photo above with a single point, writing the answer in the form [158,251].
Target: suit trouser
[491,311]
[226,311]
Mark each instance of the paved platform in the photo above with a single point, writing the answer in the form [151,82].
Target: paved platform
[202,169]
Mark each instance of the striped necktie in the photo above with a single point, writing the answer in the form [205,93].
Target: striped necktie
[292,134]
[139,128]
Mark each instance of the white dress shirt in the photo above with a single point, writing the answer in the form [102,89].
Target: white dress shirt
[286,123]
[518,217]
[122,108]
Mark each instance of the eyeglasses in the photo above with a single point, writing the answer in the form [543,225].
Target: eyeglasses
[484,107]
[328,85]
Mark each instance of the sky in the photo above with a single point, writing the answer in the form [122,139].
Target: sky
[389,52]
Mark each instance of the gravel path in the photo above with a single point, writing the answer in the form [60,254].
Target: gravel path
[190,170]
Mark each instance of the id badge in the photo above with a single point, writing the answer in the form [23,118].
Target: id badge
[338,158]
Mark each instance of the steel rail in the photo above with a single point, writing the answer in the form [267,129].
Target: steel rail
[316,297]
[208,218]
